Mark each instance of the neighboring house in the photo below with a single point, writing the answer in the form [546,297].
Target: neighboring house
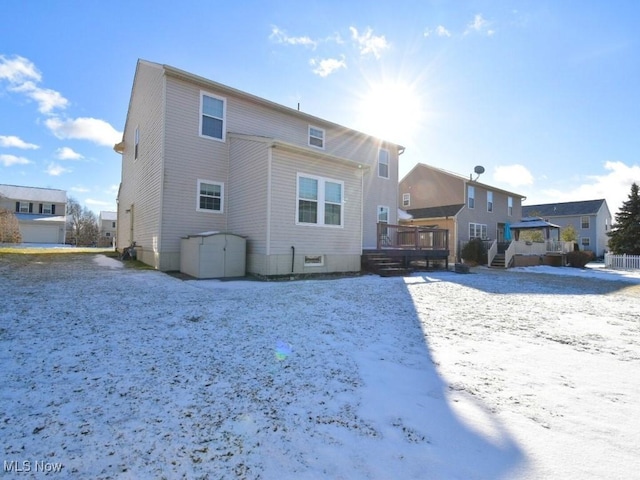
[41,212]
[467,208]
[591,220]
[199,156]
[107,227]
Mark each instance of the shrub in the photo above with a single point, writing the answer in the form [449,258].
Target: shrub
[9,227]
[475,251]
[580,258]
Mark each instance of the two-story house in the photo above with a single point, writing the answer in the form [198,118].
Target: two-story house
[41,212]
[591,219]
[467,208]
[199,156]
[107,227]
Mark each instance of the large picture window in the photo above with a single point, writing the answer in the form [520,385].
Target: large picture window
[212,116]
[210,196]
[320,201]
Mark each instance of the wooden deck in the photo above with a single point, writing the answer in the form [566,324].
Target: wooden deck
[402,246]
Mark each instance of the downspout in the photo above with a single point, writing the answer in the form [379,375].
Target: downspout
[293,257]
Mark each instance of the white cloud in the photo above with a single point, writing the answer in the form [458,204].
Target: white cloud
[440,31]
[55,169]
[513,175]
[11,141]
[80,189]
[614,186]
[9,160]
[91,201]
[18,70]
[23,77]
[327,66]
[479,25]
[368,43]
[66,153]
[83,128]
[280,36]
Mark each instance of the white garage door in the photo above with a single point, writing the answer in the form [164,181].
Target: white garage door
[39,233]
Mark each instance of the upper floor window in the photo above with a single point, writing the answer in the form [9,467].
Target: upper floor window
[471,195]
[212,116]
[24,207]
[47,208]
[406,199]
[136,143]
[489,201]
[320,201]
[210,196]
[113,224]
[316,137]
[585,222]
[383,163]
[510,206]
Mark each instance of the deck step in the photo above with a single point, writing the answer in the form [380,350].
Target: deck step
[498,261]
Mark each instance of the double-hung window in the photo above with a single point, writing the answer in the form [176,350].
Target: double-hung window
[477,230]
[23,207]
[316,137]
[320,201]
[406,199]
[489,201]
[47,208]
[383,163]
[210,196]
[471,195]
[212,116]
[585,221]
[509,206]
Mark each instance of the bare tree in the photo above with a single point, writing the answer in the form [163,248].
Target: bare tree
[82,224]
[9,227]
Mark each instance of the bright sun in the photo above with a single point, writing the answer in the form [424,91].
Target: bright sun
[392,111]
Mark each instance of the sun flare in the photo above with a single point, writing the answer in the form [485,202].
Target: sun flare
[392,111]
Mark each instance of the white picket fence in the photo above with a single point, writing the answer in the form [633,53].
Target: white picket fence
[622,262]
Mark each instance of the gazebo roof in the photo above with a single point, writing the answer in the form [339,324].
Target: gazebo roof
[531,223]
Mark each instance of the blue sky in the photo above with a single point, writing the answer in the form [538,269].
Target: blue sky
[544,94]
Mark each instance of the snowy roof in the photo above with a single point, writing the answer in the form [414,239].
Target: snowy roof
[34,194]
[104,215]
[30,217]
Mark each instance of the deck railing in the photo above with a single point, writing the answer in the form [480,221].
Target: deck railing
[412,237]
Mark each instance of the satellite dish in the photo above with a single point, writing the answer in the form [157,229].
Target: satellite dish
[479,170]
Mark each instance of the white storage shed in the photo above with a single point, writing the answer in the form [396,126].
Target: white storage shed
[213,255]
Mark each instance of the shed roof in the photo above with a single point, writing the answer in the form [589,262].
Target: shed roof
[586,207]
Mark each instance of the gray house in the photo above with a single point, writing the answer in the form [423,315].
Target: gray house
[590,218]
[41,212]
[467,208]
[199,156]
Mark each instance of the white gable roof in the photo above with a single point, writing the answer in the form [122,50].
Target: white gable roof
[104,215]
[33,194]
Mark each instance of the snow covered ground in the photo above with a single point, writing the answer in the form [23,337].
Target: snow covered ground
[111,372]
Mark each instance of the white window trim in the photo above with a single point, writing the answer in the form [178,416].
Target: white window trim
[483,229]
[379,210]
[388,162]
[320,200]
[309,263]
[489,201]
[509,206]
[582,222]
[44,207]
[471,195]
[211,182]
[406,199]
[309,137]
[25,204]
[588,241]
[224,116]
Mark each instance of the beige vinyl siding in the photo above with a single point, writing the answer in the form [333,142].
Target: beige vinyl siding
[188,158]
[142,178]
[248,179]
[312,239]
[431,187]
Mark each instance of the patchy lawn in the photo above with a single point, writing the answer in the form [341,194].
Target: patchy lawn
[112,372]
